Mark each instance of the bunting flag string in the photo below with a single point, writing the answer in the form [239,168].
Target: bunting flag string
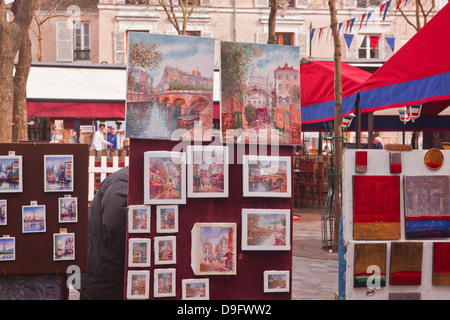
[384,8]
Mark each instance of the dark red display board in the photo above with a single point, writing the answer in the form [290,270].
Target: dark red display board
[34,251]
[248,283]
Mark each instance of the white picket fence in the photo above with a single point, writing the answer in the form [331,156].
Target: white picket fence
[103,170]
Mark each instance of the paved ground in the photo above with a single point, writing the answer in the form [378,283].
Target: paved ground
[314,270]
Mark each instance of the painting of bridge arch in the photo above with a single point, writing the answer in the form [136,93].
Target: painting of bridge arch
[169,87]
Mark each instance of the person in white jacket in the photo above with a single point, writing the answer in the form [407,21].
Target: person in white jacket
[98,140]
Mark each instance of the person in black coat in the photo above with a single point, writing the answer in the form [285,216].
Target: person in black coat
[104,279]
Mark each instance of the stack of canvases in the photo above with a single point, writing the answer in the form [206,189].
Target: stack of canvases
[169,105]
[386,184]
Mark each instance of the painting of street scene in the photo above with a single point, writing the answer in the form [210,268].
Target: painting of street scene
[3,213]
[267,176]
[7,249]
[138,284]
[33,218]
[139,253]
[214,248]
[68,209]
[58,170]
[164,283]
[207,171]
[165,250]
[10,174]
[195,289]
[138,219]
[64,246]
[265,229]
[164,177]
[167,219]
[276,281]
[169,87]
[260,87]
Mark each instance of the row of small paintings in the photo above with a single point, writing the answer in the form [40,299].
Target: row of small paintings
[370,264]
[262,229]
[63,247]
[34,215]
[58,173]
[207,175]
[164,284]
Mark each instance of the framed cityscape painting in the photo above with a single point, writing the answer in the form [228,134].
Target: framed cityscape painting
[169,87]
[7,249]
[164,284]
[68,210]
[164,177]
[139,252]
[266,229]
[58,173]
[11,174]
[3,212]
[138,219]
[63,246]
[207,171]
[260,93]
[195,289]
[165,249]
[213,249]
[138,284]
[267,176]
[33,218]
[276,281]
[167,219]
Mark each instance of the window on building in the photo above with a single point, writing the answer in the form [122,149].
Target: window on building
[366,50]
[368,3]
[190,2]
[82,45]
[137,1]
[194,33]
[286,39]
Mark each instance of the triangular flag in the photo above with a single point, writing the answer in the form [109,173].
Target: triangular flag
[368,16]
[398,4]
[340,25]
[348,24]
[374,42]
[382,7]
[362,19]
[386,8]
[348,39]
[351,24]
[320,32]
[406,1]
[312,35]
[391,42]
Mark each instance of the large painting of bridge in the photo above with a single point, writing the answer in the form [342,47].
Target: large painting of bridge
[169,87]
[260,93]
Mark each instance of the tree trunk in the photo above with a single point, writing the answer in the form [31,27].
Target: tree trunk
[20,118]
[337,123]
[12,35]
[272,39]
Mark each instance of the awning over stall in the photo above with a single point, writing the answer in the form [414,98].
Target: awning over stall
[418,73]
[317,89]
[61,91]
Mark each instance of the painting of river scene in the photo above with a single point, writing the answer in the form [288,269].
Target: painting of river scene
[169,87]
[164,177]
[33,218]
[7,248]
[266,229]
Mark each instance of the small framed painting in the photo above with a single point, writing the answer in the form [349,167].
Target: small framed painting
[266,229]
[195,289]
[11,174]
[207,171]
[33,218]
[58,173]
[267,176]
[3,212]
[139,252]
[7,249]
[165,250]
[138,219]
[68,210]
[276,281]
[164,177]
[63,246]
[138,282]
[167,219]
[164,283]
